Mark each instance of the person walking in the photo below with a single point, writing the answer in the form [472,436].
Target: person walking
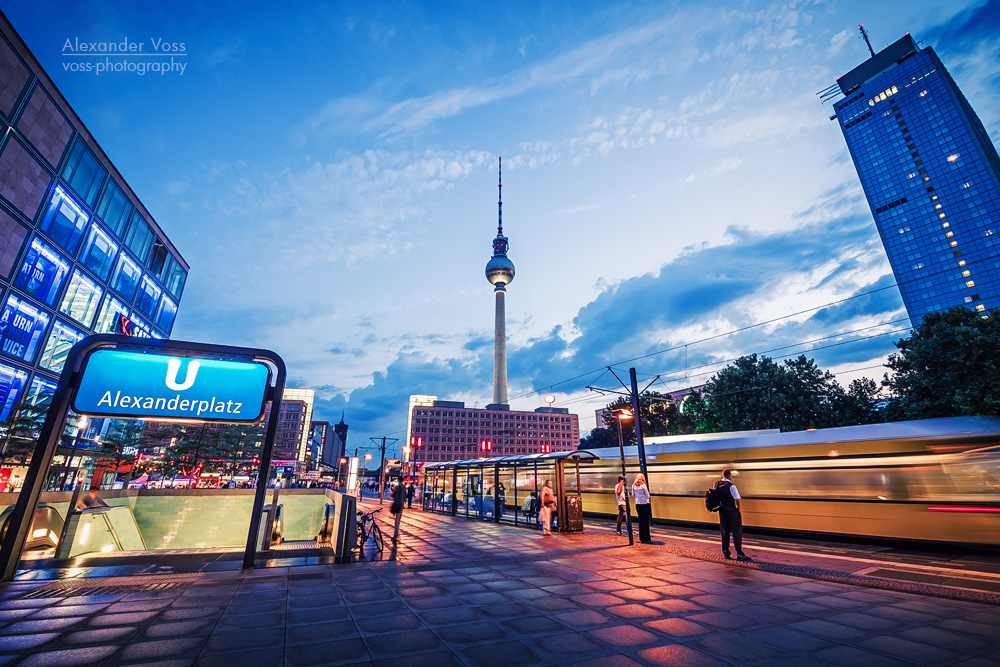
[398,497]
[410,490]
[642,507]
[548,504]
[730,516]
[620,494]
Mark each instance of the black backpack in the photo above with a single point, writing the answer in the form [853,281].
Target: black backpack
[712,500]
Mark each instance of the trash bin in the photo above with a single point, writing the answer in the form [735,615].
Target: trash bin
[573,521]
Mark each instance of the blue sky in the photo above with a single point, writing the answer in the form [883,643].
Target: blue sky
[329,172]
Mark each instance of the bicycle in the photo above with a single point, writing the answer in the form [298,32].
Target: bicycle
[368,530]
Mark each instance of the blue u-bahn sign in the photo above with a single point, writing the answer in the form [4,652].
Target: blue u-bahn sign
[117,383]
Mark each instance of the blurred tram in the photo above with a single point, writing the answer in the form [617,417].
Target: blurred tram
[932,480]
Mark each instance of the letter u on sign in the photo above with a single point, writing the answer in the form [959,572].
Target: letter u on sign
[173,367]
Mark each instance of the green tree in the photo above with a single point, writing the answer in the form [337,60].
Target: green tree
[744,396]
[756,393]
[655,410]
[19,432]
[860,404]
[809,395]
[599,437]
[947,367]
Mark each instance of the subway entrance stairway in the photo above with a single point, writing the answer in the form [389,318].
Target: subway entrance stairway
[460,592]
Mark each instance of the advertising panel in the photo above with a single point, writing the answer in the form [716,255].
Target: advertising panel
[117,383]
[21,328]
[43,272]
[352,475]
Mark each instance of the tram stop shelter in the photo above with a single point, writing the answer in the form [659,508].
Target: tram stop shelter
[507,489]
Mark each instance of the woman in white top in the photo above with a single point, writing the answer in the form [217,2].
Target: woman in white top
[642,507]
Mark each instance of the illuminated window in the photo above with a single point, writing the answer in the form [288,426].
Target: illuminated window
[83,172]
[980,307]
[945,225]
[940,216]
[948,235]
[149,295]
[82,298]
[926,178]
[961,262]
[970,283]
[64,221]
[114,208]
[62,338]
[125,278]
[952,158]
[937,206]
[111,310]
[933,197]
[966,273]
[953,244]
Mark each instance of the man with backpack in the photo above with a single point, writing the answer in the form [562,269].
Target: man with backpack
[730,518]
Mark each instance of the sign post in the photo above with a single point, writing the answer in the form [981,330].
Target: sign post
[115,376]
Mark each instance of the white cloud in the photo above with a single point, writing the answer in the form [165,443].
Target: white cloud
[726,165]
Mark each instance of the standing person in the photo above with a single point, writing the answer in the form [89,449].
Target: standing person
[730,516]
[548,504]
[620,493]
[501,499]
[398,497]
[642,507]
[410,490]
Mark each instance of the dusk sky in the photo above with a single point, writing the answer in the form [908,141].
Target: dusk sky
[329,171]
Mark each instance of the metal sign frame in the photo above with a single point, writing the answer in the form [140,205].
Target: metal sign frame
[48,440]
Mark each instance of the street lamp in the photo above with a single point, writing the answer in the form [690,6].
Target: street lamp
[364,474]
[623,415]
[340,471]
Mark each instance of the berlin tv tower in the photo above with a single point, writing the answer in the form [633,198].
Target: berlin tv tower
[500,271]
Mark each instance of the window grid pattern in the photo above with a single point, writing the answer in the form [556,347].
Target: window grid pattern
[60,267]
[932,189]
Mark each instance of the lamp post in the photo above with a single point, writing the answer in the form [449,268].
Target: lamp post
[621,415]
[340,471]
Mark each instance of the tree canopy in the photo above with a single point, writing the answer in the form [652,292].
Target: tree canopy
[947,367]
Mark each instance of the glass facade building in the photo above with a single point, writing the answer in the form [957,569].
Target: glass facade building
[78,250]
[931,175]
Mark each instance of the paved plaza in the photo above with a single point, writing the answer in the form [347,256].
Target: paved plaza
[462,592]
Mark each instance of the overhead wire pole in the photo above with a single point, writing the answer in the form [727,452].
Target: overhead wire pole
[381,468]
[634,392]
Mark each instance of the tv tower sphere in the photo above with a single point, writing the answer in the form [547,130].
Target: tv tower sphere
[500,270]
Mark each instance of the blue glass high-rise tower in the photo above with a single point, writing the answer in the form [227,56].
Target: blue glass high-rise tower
[931,176]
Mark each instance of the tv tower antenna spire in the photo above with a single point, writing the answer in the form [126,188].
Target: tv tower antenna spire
[500,197]
[865,35]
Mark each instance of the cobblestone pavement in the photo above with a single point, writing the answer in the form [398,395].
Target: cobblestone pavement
[461,592]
